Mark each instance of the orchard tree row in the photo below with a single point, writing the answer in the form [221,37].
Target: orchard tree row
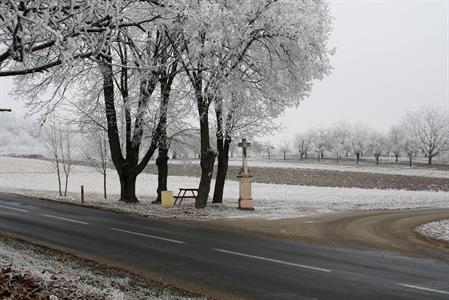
[424,132]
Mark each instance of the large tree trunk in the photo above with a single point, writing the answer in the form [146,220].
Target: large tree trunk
[357,158]
[128,187]
[429,159]
[222,170]
[207,155]
[162,173]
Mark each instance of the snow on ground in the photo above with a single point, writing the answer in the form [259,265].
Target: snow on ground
[435,230]
[390,169]
[270,200]
[90,278]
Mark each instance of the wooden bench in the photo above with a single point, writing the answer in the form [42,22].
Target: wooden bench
[182,195]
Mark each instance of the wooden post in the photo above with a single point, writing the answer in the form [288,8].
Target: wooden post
[82,193]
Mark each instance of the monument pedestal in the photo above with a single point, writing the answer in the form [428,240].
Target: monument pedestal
[245,197]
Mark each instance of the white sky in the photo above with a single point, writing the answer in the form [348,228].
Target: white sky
[392,56]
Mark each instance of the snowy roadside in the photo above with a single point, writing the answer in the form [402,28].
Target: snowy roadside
[37,178]
[436,230]
[65,274]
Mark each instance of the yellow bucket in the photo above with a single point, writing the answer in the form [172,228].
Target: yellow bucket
[167,199]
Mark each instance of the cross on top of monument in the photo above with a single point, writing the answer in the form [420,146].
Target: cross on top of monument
[244,145]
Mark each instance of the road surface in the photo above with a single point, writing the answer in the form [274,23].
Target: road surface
[224,264]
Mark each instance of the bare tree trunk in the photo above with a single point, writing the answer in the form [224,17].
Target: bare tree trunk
[162,173]
[429,159]
[104,184]
[207,163]
[410,161]
[357,157]
[66,183]
[58,172]
[222,170]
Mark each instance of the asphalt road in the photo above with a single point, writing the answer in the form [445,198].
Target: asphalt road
[224,264]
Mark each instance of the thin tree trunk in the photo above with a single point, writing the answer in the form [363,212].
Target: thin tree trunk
[410,161]
[357,157]
[104,184]
[59,178]
[429,159]
[66,182]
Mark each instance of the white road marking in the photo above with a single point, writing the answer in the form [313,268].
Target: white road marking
[273,260]
[148,236]
[13,208]
[423,288]
[65,219]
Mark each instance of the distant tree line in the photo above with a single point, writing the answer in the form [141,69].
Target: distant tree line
[421,133]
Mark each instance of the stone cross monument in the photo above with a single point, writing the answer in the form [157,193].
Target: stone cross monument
[245,198]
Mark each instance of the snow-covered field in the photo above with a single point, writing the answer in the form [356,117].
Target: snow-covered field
[436,230]
[37,178]
[390,169]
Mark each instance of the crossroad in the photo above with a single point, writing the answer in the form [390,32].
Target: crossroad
[220,263]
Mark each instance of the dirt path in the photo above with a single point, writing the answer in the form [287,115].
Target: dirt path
[390,230]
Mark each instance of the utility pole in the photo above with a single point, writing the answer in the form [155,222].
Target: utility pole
[5,109]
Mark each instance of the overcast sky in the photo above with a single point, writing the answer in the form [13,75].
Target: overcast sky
[391,56]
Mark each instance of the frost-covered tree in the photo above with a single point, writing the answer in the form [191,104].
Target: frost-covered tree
[395,139]
[38,35]
[339,140]
[431,126]
[97,154]
[358,138]
[58,141]
[376,145]
[280,47]
[284,148]
[321,141]
[303,143]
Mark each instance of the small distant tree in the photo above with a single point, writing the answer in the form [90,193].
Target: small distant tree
[320,141]
[411,148]
[269,148]
[98,155]
[377,145]
[394,141]
[284,148]
[51,142]
[302,143]
[358,140]
[339,140]
[431,126]
[58,143]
